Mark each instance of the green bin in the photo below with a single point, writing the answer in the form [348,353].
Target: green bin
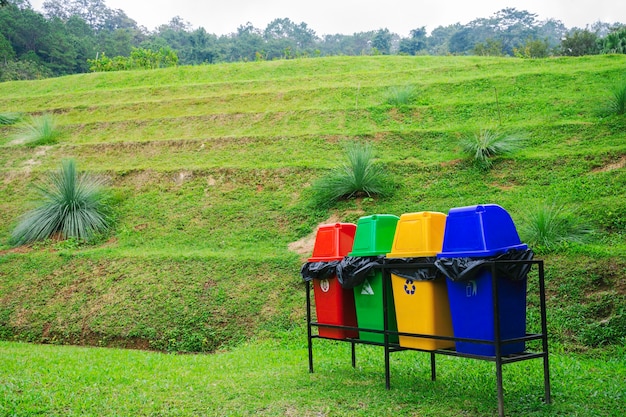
[374,237]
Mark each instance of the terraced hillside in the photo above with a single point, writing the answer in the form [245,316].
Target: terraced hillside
[210,169]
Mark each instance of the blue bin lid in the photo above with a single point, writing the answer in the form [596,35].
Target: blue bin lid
[479,231]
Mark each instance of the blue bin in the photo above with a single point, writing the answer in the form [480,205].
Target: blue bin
[484,231]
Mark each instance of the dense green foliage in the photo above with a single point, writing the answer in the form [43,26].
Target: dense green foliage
[75,36]
[72,205]
[139,59]
[211,168]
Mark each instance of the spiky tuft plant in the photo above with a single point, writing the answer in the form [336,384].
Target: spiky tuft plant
[482,147]
[617,100]
[548,228]
[400,96]
[72,205]
[9,118]
[360,176]
[38,131]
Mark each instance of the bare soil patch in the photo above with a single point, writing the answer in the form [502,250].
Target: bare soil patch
[620,163]
[305,245]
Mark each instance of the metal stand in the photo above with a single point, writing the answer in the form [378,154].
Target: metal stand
[498,358]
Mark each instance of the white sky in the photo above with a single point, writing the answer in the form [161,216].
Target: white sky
[350,16]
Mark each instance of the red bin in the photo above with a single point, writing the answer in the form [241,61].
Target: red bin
[333,304]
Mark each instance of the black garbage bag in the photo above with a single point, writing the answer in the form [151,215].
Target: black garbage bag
[415,273]
[318,270]
[465,269]
[352,270]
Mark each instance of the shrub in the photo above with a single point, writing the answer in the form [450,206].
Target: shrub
[533,48]
[9,118]
[72,206]
[400,96]
[140,58]
[580,42]
[487,144]
[548,228]
[617,100]
[360,176]
[38,131]
[23,70]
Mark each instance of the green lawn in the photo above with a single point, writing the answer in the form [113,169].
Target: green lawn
[270,378]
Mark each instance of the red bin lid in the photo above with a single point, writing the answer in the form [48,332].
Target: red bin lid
[333,242]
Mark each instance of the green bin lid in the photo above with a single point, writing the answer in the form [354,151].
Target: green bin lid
[374,235]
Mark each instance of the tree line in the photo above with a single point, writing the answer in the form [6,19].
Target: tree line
[76,36]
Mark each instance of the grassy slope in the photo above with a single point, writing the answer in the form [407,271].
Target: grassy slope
[210,167]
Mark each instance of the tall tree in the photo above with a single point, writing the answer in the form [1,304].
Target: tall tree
[615,42]
[512,27]
[580,42]
[117,19]
[382,41]
[553,31]
[415,43]
[203,47]
[6,50]
[94,12]
[283,36]
[439,39]
[464,40]
[25,29]
[59,52]
[244,45]
[83,39]
[278,39]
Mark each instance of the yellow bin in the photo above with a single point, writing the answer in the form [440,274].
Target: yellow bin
[421,306]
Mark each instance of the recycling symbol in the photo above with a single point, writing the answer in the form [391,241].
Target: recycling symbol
[409,287]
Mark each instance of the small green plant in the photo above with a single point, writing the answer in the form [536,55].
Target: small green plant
[483,146]
[73,206]
[360,176]
[548,228]
[400,96]
[9,118]
[38,131]
[617,100]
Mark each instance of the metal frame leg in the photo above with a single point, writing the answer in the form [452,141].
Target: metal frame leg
[497,339]
[544,333]
[433,367]
[308,325]
[500,387]
[385,278]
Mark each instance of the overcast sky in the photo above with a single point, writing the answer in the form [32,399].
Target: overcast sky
[350,16]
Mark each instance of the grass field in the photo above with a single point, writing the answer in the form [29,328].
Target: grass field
[270,378]
[210,170]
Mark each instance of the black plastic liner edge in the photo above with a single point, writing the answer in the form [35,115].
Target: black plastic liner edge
[465,269]
[318,270]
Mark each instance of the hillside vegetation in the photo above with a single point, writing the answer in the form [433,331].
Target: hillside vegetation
[210,168]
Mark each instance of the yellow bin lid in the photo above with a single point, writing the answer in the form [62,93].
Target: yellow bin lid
[418,235]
